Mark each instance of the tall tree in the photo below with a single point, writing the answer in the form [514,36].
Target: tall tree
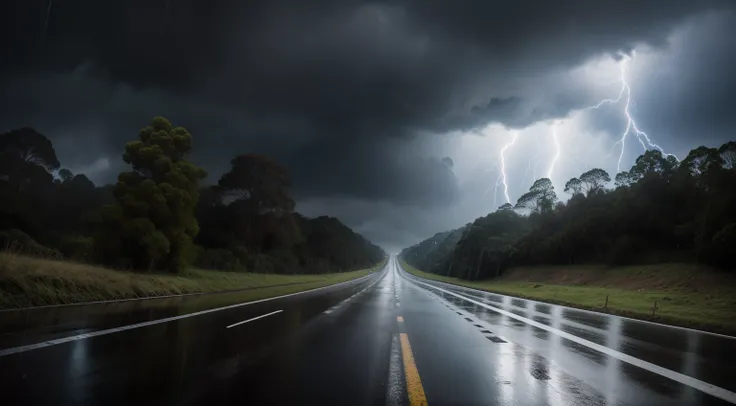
[26,156]
[728,154]
[506,207]
[653,162]
[65,175]
[699,160]
[574,186]
[624,179]
[262,206]
[260,183]
[153,221]
[540,197]
[594,180]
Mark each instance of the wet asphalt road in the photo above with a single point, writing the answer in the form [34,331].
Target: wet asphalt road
[348,344]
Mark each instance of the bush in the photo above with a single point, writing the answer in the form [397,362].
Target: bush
[221,259]
[20,242]
[77,248]
[722,249]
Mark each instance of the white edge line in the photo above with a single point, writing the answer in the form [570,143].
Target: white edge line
[44,344]
[254,319]
[461,287]
[675,376]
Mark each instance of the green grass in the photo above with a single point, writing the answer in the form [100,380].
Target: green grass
[710,307]
[26,281]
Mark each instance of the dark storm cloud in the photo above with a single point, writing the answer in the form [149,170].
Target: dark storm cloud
[514,112]
[384,66]
[692,95]
[326,87]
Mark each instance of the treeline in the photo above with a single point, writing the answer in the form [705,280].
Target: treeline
[159,216]
[661,210]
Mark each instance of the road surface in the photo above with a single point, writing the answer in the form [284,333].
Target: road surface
[388,338]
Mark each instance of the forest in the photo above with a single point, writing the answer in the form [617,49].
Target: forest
[661,210]
[162,216]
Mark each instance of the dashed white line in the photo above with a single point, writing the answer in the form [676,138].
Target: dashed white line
[254,319]
[333,308]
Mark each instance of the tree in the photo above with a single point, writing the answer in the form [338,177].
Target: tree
[261,183]
[574,186]
[662,210]
[506,207]
[699,160]
[29,146]
[26,157]
[540,197]
[594,180]
[260,208]
[624,179]
[65,175]
[153,221]
[652,162]
[728,154]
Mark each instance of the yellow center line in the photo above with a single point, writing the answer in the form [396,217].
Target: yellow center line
[399,319]
[413,382]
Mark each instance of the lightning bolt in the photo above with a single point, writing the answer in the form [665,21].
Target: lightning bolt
[631,127]
[502,176]
[557,152]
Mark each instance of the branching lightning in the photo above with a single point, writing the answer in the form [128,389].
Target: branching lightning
[631,127]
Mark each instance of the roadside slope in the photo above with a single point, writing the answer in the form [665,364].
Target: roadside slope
[26,282]
[705,301]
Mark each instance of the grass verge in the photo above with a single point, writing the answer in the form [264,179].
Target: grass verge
[710,310]
[26,282]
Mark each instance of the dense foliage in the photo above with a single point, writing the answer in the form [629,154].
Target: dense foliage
[152,224]
[158,216]
[661,210]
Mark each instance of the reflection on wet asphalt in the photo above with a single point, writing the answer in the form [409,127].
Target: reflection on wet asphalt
[338,345]
[677,349]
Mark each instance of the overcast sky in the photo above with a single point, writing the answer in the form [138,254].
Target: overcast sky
[394,116]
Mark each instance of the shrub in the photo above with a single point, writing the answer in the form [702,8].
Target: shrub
[77,248]
[20,242]
[219,259]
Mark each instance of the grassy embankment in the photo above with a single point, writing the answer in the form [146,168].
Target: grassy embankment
[26,281]
[686,295]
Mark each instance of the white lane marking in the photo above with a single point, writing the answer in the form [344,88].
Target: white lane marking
[465,313]
[335,307]
[254,319]
[30,347]
[667,373]
[395,387]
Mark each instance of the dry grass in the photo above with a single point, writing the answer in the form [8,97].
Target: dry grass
[688,296]
[26,281]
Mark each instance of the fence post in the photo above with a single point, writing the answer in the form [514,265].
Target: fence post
[654,308]
[605,306]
